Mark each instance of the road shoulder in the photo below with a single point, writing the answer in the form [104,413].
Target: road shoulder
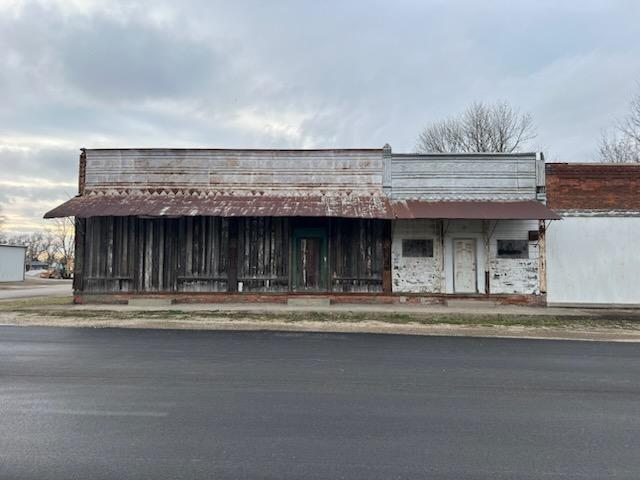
[561,324]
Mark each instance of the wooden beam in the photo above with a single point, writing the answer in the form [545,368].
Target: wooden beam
[387,288]
[78,261]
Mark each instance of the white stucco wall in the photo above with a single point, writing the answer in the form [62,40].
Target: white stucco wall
[11,263]
[433,275]
[514,275]
[416,274]
[593,260]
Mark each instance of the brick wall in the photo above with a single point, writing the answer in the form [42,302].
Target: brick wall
[82,172]
[593,187]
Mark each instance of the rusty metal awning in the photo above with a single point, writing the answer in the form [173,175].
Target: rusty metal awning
[320,206]
[223,206]
[525,210]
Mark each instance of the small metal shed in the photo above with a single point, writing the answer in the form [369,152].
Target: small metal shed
[12,263]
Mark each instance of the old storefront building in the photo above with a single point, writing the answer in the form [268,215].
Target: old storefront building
[348,225]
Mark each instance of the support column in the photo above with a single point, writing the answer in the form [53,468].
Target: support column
[387,287]
[78,258]
[542,255]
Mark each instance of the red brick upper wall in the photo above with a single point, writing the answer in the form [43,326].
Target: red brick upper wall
[593,186]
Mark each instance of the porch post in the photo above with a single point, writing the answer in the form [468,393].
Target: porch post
[542,255]
[386,258]
[78,259]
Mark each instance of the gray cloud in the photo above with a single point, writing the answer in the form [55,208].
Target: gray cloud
[115,62]
[296,74]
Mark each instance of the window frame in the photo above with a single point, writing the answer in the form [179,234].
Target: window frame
[512,256]
[428,249]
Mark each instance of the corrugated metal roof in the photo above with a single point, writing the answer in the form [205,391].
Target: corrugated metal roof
[264,206]
[270,206]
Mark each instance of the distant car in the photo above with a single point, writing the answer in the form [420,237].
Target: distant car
[58,271]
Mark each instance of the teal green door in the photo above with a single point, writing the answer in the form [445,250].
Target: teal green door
[309,260]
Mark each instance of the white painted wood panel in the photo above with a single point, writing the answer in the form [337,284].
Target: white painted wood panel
[465,177]
[464,265]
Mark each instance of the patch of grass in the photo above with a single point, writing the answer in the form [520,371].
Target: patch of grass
[34,302]
[610,320]
[618,319]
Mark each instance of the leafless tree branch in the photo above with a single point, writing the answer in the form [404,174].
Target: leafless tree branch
[494,127]
[623,144]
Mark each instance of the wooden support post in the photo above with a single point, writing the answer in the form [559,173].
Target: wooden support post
[387,288]
[232,266]
[542,255]
[78,260]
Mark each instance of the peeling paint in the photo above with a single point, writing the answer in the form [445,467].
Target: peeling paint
[416,274]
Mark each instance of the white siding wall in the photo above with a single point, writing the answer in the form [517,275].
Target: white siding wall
[433,275]
[514,275]
[11,264]
[593,260]
[416,274]
[486,176]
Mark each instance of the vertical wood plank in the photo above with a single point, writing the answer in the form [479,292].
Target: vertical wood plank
[387,286]
[232,267]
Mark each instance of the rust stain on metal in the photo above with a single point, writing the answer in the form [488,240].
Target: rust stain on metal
[266,183]
[267,206]
[271,206]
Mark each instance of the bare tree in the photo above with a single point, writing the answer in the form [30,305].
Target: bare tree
[623,144]
[614,148]
[40,246]
[631,126]
[496,127]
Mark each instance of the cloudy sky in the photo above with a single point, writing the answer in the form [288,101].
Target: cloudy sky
[298,74]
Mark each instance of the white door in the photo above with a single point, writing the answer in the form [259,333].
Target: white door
[464,265]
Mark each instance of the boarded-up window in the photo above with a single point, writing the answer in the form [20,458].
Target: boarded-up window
[513,249]
[417,248]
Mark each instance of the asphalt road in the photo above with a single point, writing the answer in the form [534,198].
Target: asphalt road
[116,404]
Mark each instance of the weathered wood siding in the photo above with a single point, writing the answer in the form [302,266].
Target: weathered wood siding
[202,254]
[263,254]
[238,172]
[131,254]
[356,251]
[195,254]
[108,254]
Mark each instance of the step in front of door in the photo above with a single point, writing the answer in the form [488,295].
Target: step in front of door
[309,301]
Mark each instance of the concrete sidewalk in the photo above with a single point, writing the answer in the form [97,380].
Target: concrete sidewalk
[470,307]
